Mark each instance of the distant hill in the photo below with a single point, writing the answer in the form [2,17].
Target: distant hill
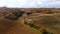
[4,9]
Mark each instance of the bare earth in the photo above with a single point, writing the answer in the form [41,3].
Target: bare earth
[14,27]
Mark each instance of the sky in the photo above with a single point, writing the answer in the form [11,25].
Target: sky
[30,3]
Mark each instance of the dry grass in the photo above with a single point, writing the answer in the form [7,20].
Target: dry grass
[50,21]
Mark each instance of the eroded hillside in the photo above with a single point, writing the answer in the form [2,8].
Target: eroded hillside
[26,19]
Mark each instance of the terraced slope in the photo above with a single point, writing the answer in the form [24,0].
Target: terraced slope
[49,21]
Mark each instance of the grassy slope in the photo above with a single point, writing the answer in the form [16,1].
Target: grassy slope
[19,27]
[35,30]
[26,28]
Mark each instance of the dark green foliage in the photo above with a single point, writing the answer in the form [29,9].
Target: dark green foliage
[29,13]
[46,32]
[32,25]
[36,27]
[25,23]
[50,12]
[14,15]
[18,14]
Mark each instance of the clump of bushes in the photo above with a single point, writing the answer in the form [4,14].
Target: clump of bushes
[38,28]
[14,15]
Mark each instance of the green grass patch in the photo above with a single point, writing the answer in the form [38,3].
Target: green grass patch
[36,30]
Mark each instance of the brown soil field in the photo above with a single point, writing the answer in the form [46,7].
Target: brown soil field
[14,27]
